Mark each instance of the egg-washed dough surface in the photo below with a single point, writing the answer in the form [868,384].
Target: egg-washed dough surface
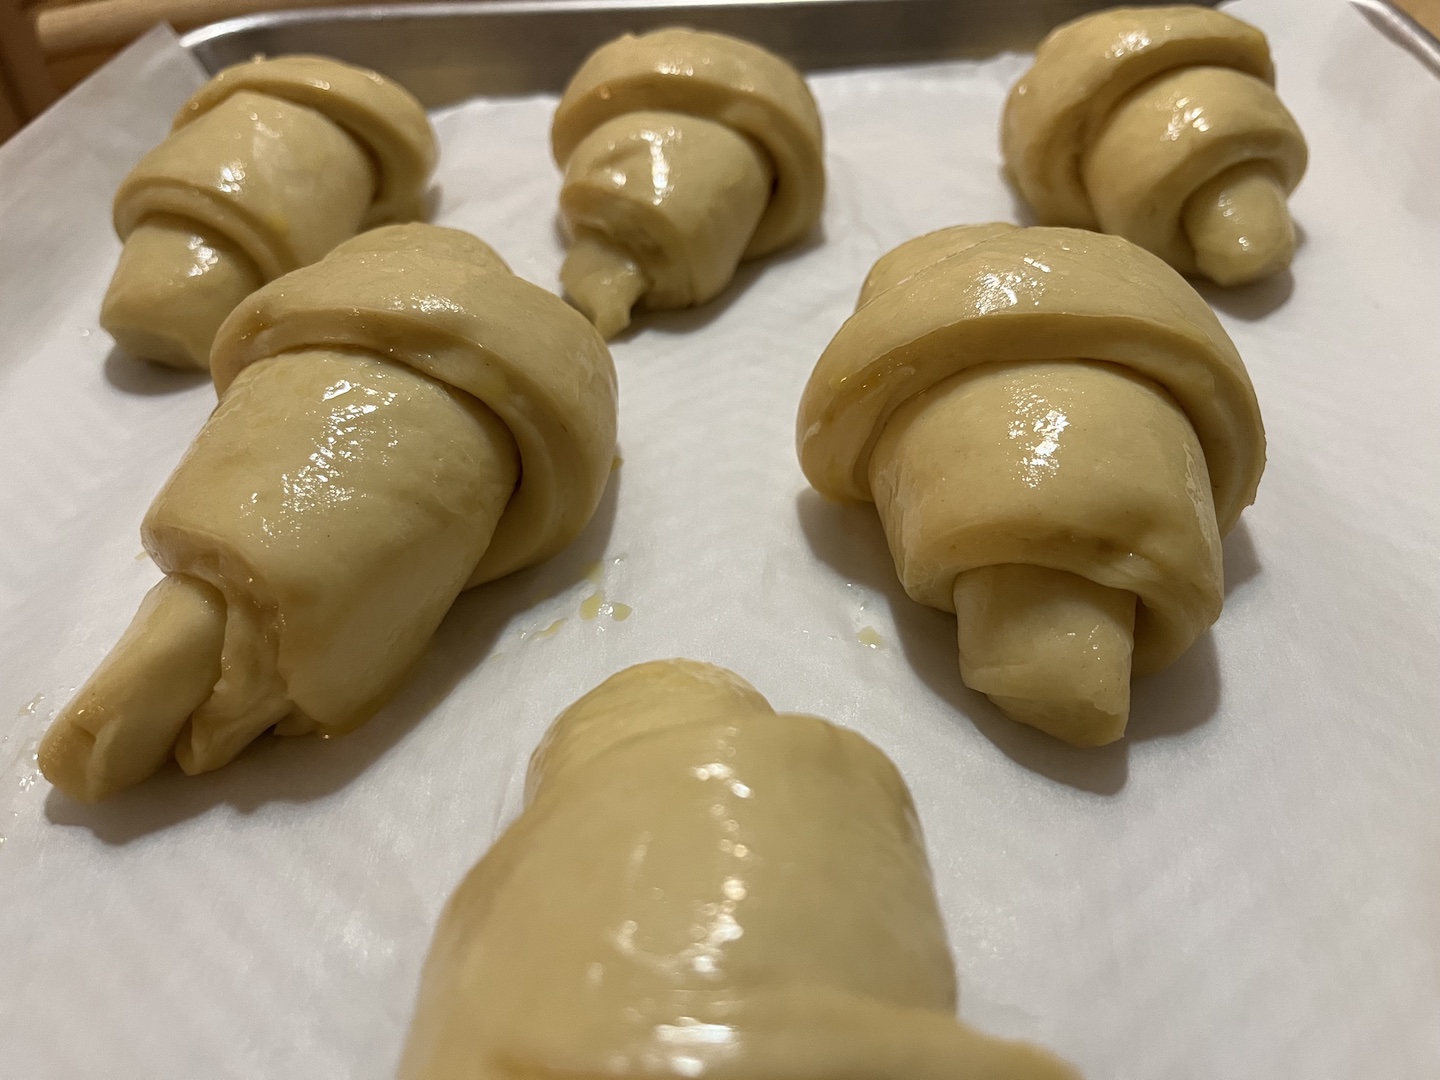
[268,166]
[701,886]
[1260,850]
[684,151]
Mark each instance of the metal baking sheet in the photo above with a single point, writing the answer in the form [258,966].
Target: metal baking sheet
[448,52]
[1403,29]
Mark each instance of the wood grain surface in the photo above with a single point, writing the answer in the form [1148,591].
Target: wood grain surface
[26,86]
[1425,12]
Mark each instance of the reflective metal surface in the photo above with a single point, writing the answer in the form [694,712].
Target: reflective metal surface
[446,52]
[1402,29]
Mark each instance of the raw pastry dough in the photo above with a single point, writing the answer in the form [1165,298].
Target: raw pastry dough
[398,422]
[699,887]
[267,167]
[1160,125]
[1056,431]
[684,152]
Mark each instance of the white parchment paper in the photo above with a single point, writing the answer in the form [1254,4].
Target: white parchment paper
[1247,888]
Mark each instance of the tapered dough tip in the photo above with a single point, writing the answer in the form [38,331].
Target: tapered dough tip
[122,724]
[603,282]
[64,758]
[1077,722]
[146,343]
[1051,649]
[1240,226]
[173,287]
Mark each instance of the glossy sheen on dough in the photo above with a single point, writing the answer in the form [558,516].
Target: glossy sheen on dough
[684,152]
[430,298]
[1056,432]
[1160,125]
[701,887]
[397,422]
[267,167]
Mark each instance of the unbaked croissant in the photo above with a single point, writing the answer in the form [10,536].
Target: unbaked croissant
[1056,431]
[699,887]
[267,167]
[397,422]
[1160,125]
[684,152]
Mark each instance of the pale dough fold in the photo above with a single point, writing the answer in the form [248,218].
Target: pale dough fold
[267,167]
[1056,432]
[684,152]
[701,887]
[397,422]
[1160,125]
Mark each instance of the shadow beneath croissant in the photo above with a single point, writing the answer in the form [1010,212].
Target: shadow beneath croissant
[1248,302]
[1021,212]
[304,769]
[848,538]
[1242,561]
[133,376]
[1258,299]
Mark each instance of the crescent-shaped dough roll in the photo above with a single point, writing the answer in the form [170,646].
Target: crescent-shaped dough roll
[1056,432]
[684,152]
[1160,125]
[267,167]
[397,422]
[701,887]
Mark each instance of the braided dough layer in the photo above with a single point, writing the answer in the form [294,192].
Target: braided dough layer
[684,152]
[1160,125]
[698,885]
[268,166]
[439,424]
[1056,432]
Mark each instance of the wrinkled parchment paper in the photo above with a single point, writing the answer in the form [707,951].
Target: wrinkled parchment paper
[1247,888]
